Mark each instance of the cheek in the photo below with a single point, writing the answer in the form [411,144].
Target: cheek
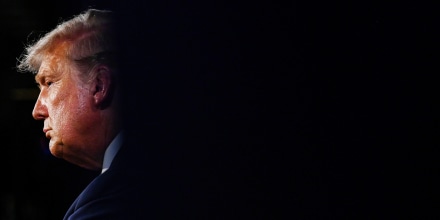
[66,106]
[62,115]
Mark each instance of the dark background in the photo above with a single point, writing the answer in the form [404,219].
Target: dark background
[306,109]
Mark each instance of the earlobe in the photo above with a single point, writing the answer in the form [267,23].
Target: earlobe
[102,87]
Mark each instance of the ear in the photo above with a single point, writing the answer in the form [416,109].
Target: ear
[103,87]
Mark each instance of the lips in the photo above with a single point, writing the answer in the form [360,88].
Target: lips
[46,131]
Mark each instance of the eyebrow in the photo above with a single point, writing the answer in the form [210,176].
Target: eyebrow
[39,77]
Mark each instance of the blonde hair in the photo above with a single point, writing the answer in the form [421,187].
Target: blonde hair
[89,38]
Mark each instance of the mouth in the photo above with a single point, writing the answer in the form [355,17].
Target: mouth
[46,131]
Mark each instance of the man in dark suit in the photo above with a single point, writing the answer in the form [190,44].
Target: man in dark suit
[192,143]
[79,102]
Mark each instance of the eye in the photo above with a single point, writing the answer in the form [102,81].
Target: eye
[49,83]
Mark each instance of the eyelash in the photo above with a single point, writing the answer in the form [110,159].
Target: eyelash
[48,84]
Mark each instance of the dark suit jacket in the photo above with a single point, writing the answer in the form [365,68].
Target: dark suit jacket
[118,193]
[166,183]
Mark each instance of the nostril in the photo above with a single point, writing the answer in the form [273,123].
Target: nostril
[39,112]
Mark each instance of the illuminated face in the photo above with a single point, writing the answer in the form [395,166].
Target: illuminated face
[66,105]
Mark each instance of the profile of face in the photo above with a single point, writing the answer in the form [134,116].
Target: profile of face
[67,104]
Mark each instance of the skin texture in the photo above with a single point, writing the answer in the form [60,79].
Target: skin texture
[75,121]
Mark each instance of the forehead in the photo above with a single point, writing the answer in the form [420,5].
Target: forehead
[54,59]
[49,66]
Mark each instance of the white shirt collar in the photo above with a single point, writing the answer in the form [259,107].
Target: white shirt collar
[111,152]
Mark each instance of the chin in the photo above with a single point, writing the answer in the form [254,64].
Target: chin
[56,150]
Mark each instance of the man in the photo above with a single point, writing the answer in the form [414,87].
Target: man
[194,128]
[79,104]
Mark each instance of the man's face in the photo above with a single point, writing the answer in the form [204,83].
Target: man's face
[66,105]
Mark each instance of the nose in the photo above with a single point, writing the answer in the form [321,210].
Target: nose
[40,109]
